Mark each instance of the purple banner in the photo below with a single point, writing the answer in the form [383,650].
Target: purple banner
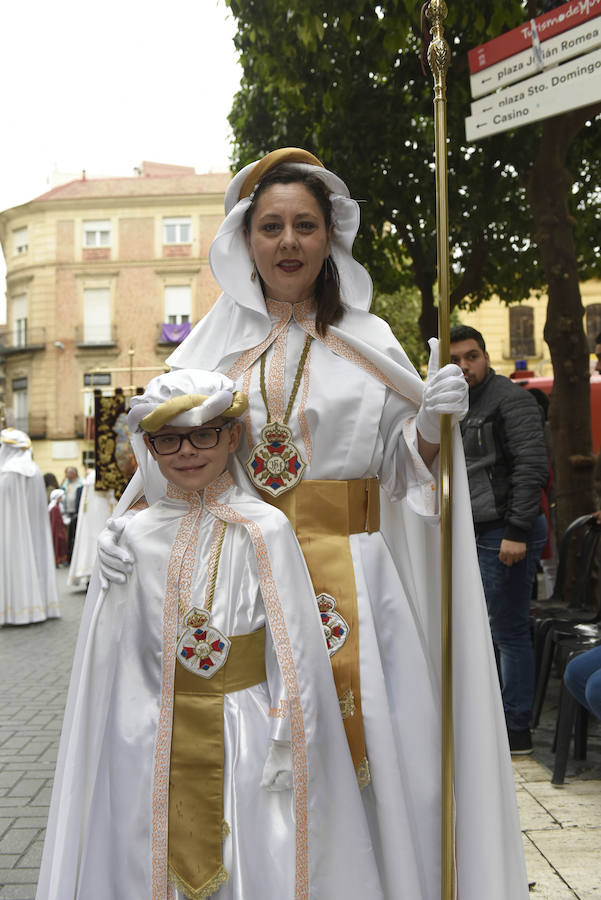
[174,334]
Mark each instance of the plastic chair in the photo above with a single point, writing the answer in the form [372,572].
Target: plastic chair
[553,621]
[572,718]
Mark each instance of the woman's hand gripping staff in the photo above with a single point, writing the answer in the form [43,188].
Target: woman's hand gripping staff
[445,392]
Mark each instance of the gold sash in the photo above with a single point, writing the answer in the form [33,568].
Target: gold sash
[196,825]
[323,514]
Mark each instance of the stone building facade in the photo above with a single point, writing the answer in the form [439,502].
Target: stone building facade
[104,277]
[515,333]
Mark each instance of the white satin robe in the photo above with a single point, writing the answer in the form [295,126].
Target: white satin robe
[104,819]
[95,507]
[357,427]
[28,590]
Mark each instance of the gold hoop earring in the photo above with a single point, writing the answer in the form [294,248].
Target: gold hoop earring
[253,274]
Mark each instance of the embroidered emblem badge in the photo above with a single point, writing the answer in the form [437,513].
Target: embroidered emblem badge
[335,628]
[202,649]
[275,464]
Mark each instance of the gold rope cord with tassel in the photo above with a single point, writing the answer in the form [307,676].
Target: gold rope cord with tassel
[323,514]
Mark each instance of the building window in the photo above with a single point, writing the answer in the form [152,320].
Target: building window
[20,403]
[94,380]
[97,233]
[19,314]
[96,316]
[97,379]
[20,240]
[521,331]
[177,230]
[593,324]
[178,304]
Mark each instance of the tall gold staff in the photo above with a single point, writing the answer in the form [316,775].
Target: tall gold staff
[438,58]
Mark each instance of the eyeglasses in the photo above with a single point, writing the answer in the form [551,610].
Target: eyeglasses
[200,438]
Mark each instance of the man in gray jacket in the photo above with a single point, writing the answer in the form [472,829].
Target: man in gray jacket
[507,467]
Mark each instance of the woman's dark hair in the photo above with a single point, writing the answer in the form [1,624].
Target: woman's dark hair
[50,480]
[330,307]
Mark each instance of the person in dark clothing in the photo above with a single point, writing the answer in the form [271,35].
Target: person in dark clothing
[507,468]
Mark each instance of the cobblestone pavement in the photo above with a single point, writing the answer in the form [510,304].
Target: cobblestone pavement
[561,827]
[35,664]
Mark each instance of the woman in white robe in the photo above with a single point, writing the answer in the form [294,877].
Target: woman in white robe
[28,590]
[358,413]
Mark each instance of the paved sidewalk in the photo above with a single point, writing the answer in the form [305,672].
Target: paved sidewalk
[35,664]
[561,826]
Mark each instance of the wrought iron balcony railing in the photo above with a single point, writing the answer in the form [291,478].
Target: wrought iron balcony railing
[22,340]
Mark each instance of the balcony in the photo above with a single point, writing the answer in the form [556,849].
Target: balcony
[95,336]
[34,426]
[37,426]
[22,341]
[170,334]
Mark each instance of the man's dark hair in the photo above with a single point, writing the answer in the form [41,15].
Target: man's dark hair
[467,333]
[598,338]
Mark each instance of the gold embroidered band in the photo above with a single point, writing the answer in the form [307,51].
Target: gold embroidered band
[323,515]
[275,158]
[197,766]
[165,412]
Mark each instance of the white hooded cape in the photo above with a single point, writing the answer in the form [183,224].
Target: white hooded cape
[102,831]
[359,375]
[27,569]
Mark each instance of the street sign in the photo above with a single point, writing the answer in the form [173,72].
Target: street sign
[575,42]
[573,72]
[569,86]
[547,26]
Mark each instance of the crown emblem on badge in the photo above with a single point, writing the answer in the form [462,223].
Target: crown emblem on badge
[276,434]
[196,618]
[335,628]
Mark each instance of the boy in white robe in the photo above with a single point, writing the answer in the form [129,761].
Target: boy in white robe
[203,752]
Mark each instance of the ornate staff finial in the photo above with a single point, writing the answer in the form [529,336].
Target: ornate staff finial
[439,52]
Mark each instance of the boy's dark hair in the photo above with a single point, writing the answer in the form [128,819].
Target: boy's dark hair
[330,307]
[467,333]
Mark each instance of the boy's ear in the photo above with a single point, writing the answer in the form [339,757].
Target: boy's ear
[149,446]
[235,435]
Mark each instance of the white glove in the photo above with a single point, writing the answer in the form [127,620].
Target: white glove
[114,562]
[445,391]
[277,772]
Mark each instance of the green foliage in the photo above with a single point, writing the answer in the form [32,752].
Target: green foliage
[401,310]
[343,79]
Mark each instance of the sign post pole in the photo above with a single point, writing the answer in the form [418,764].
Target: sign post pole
[439,58]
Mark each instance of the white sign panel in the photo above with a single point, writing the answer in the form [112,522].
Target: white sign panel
[556,90]
[575,42]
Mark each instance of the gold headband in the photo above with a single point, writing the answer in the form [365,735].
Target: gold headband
[165,412]
[283,155]
[8,440]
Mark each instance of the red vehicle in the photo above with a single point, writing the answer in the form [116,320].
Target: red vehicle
[546,385]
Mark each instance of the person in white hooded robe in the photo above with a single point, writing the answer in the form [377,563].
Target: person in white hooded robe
[338,423]
[195,755]
[27,569]
[95,507]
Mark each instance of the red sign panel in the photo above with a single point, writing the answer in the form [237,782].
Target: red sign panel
[554,22]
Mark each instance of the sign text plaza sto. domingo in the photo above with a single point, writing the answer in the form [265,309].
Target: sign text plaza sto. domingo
[561,51]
